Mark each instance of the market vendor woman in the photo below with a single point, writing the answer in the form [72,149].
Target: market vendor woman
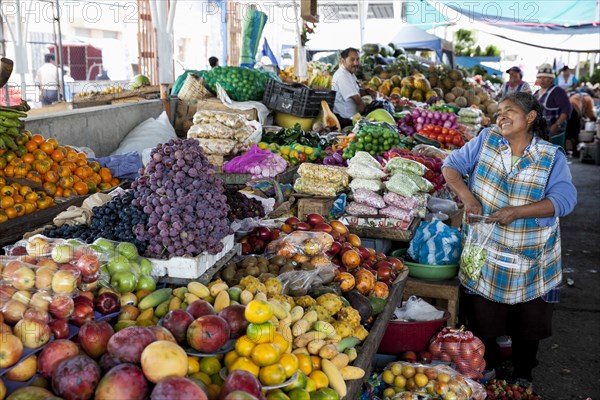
[523,183]
[348,100]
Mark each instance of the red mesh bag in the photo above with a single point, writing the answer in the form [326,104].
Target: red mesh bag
[462,348]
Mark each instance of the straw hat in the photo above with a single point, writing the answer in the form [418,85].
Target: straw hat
[545,71]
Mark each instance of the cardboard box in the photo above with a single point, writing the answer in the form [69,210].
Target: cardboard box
[314,205]
[190,267]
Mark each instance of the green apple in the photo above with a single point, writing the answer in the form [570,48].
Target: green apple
[145,265]
[123,281]
[105,245]
[146,282]
[234,293]
[118,264]
[128,250]
[135,268]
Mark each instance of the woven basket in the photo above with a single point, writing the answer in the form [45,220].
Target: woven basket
[193,89]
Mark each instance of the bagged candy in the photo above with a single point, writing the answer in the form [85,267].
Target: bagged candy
[369,198]
[355,208]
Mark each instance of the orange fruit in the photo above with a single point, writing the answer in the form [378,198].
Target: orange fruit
[42,166]
[230,358]
[272,375]
[28,158]
[7,202]
[66,182]
[245,364]
[49,188]
[57,155]
[58,192]
[19,209]
[39,139]
[3,216]
[18,198]
[51,176]
[316,361]
[94,165]
[3,162]
[258,311]
[7,190]
[10,212]
[29,207]
[39,154]
[31,146]
[9,171]
[265,354]
[281,342]
[320,379]
[351,259]
[354,240]
[91,187]
[80,172]
[63,171]
[23,190]
[105,175]
[304,363]
[81,188]
[47,148]
[114,182]
[68,192]
[289,362]
[244,346]
[53,142]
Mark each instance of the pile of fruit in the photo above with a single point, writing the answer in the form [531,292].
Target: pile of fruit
[407,381]
[499,389]
[241,206]
[446,138]
[374,138]
[107,90]
[184,201]
[113,220]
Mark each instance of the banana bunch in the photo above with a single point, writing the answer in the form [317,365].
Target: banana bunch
[320,80]
[11,124]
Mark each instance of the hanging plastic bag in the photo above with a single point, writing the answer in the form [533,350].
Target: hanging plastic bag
[478,232]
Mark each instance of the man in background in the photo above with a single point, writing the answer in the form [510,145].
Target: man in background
[213,61]
[583,110]
[47,79]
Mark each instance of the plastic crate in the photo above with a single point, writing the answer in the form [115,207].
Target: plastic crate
[296,99]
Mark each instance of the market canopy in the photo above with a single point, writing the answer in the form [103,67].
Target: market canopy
[556,16]
[411,37]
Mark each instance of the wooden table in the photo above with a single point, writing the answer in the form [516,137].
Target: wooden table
[366,352]
[448,290]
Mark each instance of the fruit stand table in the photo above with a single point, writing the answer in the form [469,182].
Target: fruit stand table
[366,353]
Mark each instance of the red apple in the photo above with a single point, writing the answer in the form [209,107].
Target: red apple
[303,226]
[240,380]
[173,387]
[93,337]
[88,264]
[74,269]
[384,272]
[263,233]
[61,306]
[82,313]
[315,219]
[59,328]
[87,279]
[397,264]
[409,356]
[76,377]
[107,303]
[10,350]
[246,249]
[177,322]
[48,263]
[208,334]
[200,308]
[275,234]
[87,293]
[292,221]
[234,315]
[83,300]
[124,381]
[13,311]
[6,292]
[53,354]
[127,344]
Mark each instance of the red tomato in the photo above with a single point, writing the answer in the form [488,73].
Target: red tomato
[441,138]
[437,129]
[430,127]
[445,131]
[456,140]
[452,131]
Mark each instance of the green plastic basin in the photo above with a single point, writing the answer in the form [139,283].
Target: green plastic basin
[431,272]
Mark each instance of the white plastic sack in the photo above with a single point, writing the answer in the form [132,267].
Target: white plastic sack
[262,110]
[417,309]
[147,135]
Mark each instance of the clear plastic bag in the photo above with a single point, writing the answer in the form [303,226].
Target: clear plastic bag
[397,200]
[417,309]
[230,120]
[401,185]
[309,244]
[448,207]
[242,164]
[397,213]
[317,187]
[429,151]
[432,379]
[355,208]
[364,158]
[371,184]
[365,172]
[210,131]
[324,173]
[478,232]
[399,164]
[462,348]
[217,146]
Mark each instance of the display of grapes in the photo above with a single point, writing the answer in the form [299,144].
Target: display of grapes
[241,206]
[184,201]
[113,220]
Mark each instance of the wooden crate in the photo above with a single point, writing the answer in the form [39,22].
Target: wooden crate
[314,205]
[368,349]
[142,93]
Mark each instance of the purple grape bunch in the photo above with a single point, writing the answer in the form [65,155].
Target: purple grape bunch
[184,200]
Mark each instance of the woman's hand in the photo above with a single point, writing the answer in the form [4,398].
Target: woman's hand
[554,128]
[504,216]
[472,206]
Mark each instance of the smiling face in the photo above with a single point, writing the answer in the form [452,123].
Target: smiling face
[351,63]
[512,120]
[545,81]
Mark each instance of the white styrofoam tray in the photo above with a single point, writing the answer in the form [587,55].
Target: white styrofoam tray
[190,267]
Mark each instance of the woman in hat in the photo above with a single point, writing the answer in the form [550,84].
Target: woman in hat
[515,82]
[556,107]
[566,79]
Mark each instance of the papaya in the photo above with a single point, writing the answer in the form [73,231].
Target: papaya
[396,80]
[406,91]
[397,91]
[385,88]
[418,95]
[422,84]
[329,118]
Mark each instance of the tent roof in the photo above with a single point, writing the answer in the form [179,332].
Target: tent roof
[411,37]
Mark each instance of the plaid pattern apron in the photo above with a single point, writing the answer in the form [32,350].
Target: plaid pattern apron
[523,260]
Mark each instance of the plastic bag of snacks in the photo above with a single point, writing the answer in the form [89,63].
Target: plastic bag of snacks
[365,172]
[234,121]
[324,173]
[405,380]
[397,213]
[210,131]
[401,185]
[355,208]
[369,198]
[216,146]
[364,158]
[309,244]
[374,185]
[462,348]
[317,187]
[396,200]
[399,164]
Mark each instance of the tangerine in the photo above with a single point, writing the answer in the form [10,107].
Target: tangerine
[29,207]
[53,142]
[49,188]
[245,364]
[320,379]
[258,311]
[28,158]
[304,363]
[289,362]
[244,346]
[19,209]
[7,202]
[31,146]
[81,188]
[57,155]
[39,154]
[272,375]
[265,354]
[47,148]
[9,171]
[39,139]
[66,182]
[51,176]
[105,175]
[10,212]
